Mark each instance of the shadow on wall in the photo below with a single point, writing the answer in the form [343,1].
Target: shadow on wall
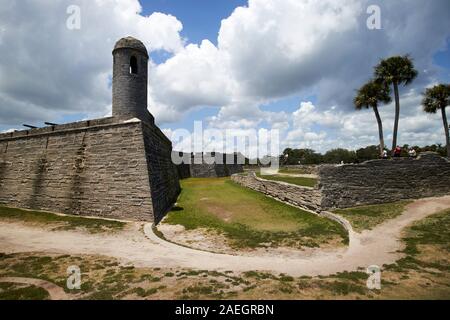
[206,169]
[76,189]
[3,169]
[38,182]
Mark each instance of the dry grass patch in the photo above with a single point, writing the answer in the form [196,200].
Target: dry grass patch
[59,222]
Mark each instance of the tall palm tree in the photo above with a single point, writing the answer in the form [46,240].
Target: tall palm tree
[438,97]
[396,71]
[368,96]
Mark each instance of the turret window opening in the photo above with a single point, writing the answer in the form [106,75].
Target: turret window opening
[133,65]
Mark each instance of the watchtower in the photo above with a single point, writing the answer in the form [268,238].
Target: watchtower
[129,85]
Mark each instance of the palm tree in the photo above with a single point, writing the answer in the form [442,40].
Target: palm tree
[438,97]
[396,71]
[368,96]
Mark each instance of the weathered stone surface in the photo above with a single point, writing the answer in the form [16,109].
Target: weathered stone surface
[111,169]
[118,167]
[382,181]
[162,172]
[304,197]
[307,169]
[227,166]
[129,98]
[371,182]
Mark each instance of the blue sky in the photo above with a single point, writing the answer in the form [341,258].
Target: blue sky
[201,20]
[289,65]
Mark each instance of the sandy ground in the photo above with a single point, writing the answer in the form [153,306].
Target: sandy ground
[207,240]
[139,246]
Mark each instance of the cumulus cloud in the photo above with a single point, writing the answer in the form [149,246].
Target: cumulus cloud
[270,49]
[195,76]
[48,70]
[265,51]
[326,129]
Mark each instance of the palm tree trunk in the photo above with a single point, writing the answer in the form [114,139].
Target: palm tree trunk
[397,116]
[446,128]
[380,128]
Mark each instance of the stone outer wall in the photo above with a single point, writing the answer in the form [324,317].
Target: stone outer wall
[308,169]
[207,170]
[99,167]
[383,181]
[184,171]
[162,173]
[303,197]
[235,168]
[371,182]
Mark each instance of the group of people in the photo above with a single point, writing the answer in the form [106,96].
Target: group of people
[397,152]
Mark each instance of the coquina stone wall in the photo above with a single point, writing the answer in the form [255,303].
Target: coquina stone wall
[307,169]
[106,167]
[371,182]
[162,173]
[304,197]
[209,170]
[382,181]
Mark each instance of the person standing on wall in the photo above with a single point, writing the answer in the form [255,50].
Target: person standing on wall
[397,152]
[412,153]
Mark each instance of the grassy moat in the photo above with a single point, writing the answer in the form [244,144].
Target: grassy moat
[248,218]
[299,181]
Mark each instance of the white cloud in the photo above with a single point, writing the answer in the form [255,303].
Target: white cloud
[48,71]
[195,76]
[331,128]
[269,49]
[266,51]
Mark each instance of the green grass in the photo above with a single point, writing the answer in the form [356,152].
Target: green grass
[292,171]
[434,230]
[64,222]
[10,291]
[423,273]
[249,218]
[367,217]
[427,247]
[299,181]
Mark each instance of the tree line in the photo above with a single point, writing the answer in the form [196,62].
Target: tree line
[308,156]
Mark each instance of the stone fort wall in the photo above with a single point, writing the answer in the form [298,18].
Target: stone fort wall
[371,182]
[303,197]
[162,173]
[229,166]
[382,181]
[106,167]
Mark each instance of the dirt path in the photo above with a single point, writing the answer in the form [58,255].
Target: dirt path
[376,247]
[55,292]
